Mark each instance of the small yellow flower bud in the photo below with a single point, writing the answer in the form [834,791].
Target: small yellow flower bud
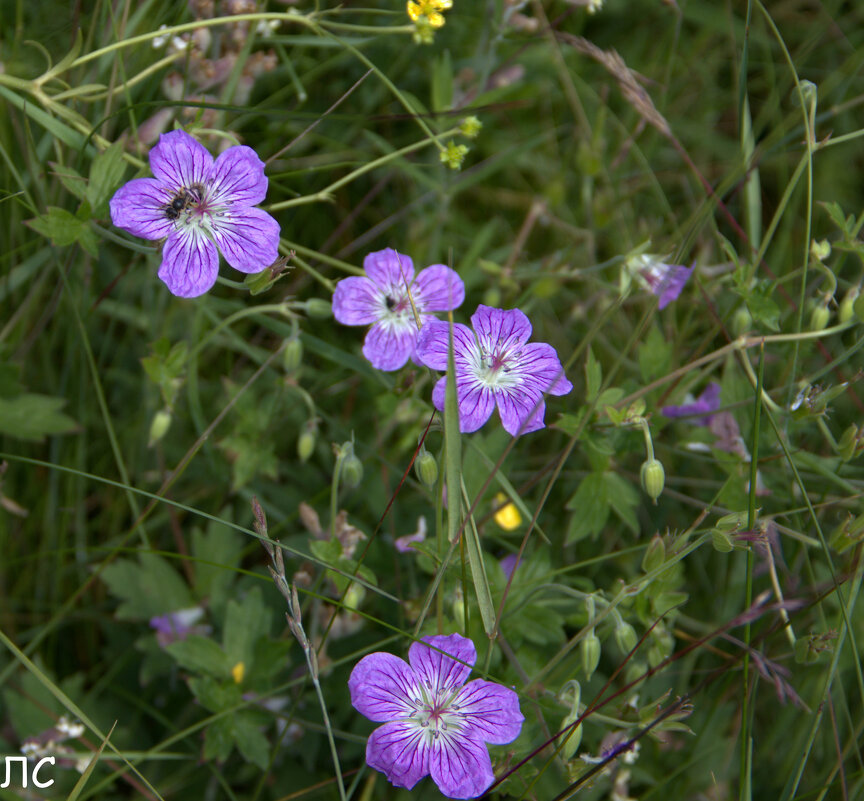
[507,516]
[471,126]
[238,672]
[653,478]
[453,155]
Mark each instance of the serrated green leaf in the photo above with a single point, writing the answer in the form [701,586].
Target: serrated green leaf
[58,225]
[328,551]
[221,547]
[570,424]
[591,506]
[201,655]
[33,417]
[106,175]
[214,694]
[72,180]
[764,310]
[250,740]
[609,397]
[219,739]
[245,622]
[148,588]
[624,499]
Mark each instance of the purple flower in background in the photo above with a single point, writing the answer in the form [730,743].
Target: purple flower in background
[434,723]
[665,280]
[200,206]
[178,625]
[495,365]
[509,564]
[381,298]
[705,406]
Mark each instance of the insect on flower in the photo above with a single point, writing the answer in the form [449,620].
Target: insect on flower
[200,206]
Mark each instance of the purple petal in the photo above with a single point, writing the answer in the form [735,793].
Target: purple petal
[438,670]
[248,238]
[180,161]
[139,208]
[190,264]
[461,767]
[399,750]
[505,328]
[492,710]
[357,301]
[671,283]
[381,687]
[521,410]
[388,347]
[476,403]
[706,404]
[238,177]
[403,544]
[542,369]
[434,342]
[508,565]
[387,268]
[438,288]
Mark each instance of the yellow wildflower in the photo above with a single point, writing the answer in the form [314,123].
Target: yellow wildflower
[507,516]
[431,9]
[238,672]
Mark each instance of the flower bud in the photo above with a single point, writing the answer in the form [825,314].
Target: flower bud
[742,321]
[306,442]
[453,155]
[159,426]
[819,317]
[590,653]
[318,309]
[847,305]
[426,468]
[471,127]
[260,282]
[625,636]
[573,738]
[292,355]
[849,443]
[653,478]
[352,467]
[655,554]
[820,250]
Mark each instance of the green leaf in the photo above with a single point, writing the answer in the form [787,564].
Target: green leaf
[591,506]
[221,547]
[71,179]
[571,424]
[219,739]
[245,622]
[655,355]
[763,309]
[33,417]
[58,225]
[147,589]
[106,175]
[201,655]
[624,499]
[251,742]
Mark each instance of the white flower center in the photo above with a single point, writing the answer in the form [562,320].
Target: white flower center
[496,367]
[193,209]
[436,714]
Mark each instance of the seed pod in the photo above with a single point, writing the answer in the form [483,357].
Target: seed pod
[625,636]
[742,321]
[819,317]
[721,541]
[352,470]
[426,468]
[847,305]
[655,554]
[319,309]
[653,478]
[306,442]
[574,738]
[292,355]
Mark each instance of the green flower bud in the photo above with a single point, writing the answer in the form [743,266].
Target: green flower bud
[625,636]
[849,443]
[819,317]
[590,653]
[655,554]
[847,305]
[159,426]
[653,478]
[742,321]
[306,442]
[820,250]
[352,470]
[471,127]
[426,468]
[573,738]
[453,155]
[318,309]
[260,282]
[292,355]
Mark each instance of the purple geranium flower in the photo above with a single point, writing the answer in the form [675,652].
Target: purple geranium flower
[381,298]
[665,280]
[197,205]
[432,723]
[178,625]
[495,365]
[704,406]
